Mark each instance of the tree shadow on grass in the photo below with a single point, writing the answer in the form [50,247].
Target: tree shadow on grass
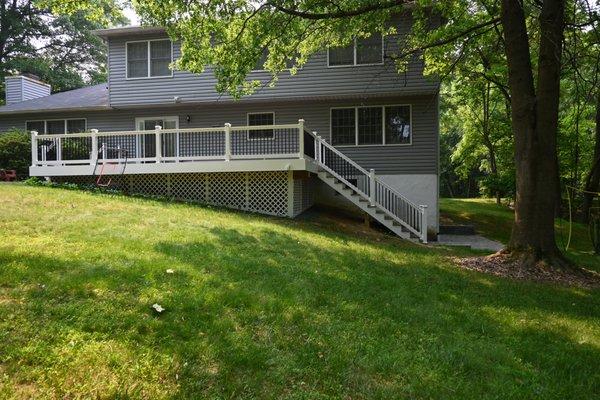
[264,315]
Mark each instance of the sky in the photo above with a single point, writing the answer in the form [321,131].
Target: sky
[133,17]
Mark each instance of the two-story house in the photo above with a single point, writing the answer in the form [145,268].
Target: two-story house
[347,130]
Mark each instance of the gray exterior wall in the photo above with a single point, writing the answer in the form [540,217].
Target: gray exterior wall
[14,92]
[20,88]
[421,157]
[314,80]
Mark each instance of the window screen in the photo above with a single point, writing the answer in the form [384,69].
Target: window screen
[343,126]
[75,125]
[397,125]
[369,50]
[38,126]
[137,60]
[370,125]
[55,127]
[160,58]
[341,55]
[261,119]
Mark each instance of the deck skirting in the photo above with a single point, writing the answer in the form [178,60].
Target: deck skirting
[278,193]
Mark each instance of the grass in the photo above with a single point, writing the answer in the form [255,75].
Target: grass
[495,222]
[262,308]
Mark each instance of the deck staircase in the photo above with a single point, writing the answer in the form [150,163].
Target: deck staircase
[366,190]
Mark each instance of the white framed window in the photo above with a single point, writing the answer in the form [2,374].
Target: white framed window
[150,123]
[371,125]
[260,119]
[362,51]
[57,126]
[146,144]
[149,58]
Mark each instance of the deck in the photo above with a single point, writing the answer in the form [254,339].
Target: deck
[215,149]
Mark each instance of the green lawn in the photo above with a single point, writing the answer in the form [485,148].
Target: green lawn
[266,308]
[495,222]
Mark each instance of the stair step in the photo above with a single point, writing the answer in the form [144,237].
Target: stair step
[363,200]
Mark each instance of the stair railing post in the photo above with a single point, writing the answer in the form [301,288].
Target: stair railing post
[301,138]
[372,186]
[94,155]
[316,145]
[227,141]
[423,223]
[34,153]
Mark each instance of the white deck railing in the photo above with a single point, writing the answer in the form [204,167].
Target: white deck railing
[169,145]
[367,184]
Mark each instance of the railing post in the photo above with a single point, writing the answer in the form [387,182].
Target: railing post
[301,138]
[227,141]
[157,130]
[423,223]
[34,152]
[94,155]
[372,186]
[317,147]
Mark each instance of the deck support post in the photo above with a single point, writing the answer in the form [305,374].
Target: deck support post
[34,153]
[227,141]
[424,223]
[372,186]
[301,139]
[157,130]
[94,155]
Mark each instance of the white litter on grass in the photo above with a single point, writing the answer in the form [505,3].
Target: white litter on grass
[158,308]
[170,271]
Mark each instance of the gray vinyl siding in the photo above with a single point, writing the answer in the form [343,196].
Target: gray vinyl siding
[20,89]
[314,80]
[421,157]
[32,90]
[14,91]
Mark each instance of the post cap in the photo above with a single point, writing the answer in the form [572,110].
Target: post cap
[227,124]
[94,130]
[158,127]
[35,133]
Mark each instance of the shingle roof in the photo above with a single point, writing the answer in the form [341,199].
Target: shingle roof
[87,98]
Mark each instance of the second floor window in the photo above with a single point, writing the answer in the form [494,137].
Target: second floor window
[363,51]
[150,58]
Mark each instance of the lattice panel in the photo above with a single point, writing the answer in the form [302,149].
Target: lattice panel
[189,187]
[261,192]
[151,184]
[267,192]
[227,189]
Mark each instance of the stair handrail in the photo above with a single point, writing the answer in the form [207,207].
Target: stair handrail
[421,209]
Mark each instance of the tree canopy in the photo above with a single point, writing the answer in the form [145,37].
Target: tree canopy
[58,47]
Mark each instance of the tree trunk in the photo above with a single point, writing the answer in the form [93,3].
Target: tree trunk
[534,126]
[592,182]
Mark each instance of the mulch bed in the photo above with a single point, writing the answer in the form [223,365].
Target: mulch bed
[501,264]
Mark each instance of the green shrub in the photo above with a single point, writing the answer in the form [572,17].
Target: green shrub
[15,151]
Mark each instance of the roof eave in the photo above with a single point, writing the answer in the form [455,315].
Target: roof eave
[125,30]
[53,110]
